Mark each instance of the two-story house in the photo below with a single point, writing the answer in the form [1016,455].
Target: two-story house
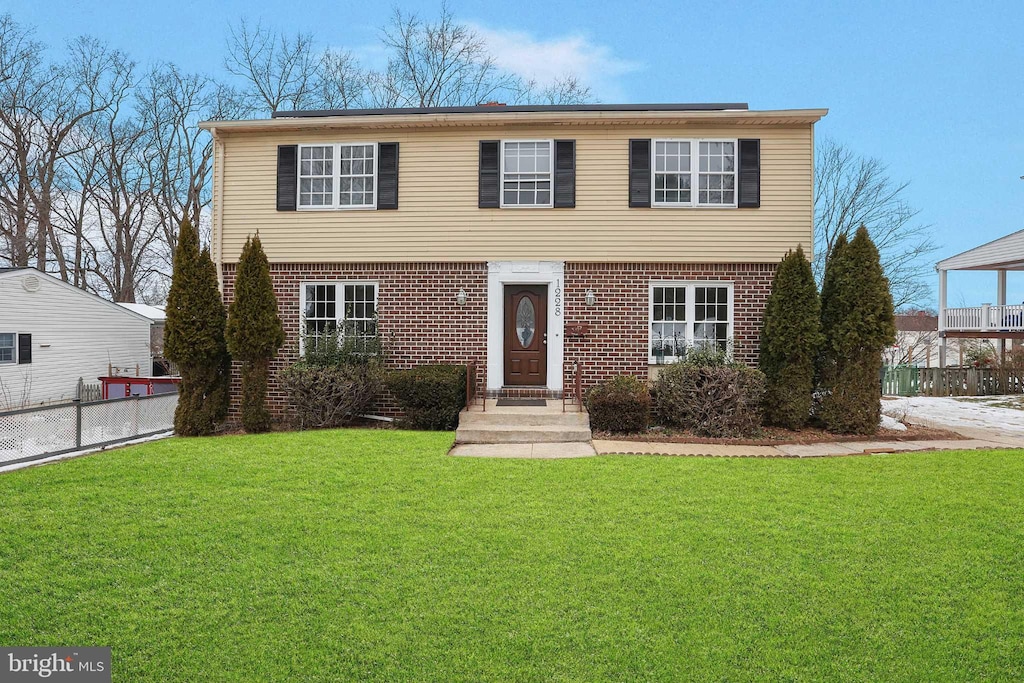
[521,238]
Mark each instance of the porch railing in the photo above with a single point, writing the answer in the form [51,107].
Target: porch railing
[572,391]
[986,318]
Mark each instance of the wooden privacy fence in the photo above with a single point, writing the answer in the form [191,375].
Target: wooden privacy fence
[905,380]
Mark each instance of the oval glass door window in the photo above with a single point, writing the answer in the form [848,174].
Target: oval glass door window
[526,321]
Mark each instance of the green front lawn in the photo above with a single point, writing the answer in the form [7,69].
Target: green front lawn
[370,555]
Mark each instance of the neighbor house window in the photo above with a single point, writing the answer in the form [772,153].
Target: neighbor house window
[526,173]
[681,180]
[8,342]
[688,314]
[337,176]
[350,307]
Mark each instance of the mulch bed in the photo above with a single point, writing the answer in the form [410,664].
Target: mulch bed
[776,436]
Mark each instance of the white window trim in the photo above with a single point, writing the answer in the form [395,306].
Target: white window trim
[336,176]
[501,179]
[339,302]
[695,174]
[691,302]
[14,354]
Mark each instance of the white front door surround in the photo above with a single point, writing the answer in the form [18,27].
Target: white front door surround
[500,273]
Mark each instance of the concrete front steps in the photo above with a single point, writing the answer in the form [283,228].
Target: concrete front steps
[524,425]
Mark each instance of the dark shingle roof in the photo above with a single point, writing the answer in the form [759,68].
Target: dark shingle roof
[502,108]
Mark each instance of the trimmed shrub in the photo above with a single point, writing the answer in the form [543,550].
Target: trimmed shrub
[431,396]
[790,340]
[858,322]
[621,404]
[254,332]
[710,400]
[194,338]
[331,395]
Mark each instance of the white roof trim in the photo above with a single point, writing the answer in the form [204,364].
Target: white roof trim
[1005,253]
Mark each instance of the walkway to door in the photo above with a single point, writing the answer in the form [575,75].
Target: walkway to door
[543,431]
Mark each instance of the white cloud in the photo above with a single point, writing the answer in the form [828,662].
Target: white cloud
[547,60]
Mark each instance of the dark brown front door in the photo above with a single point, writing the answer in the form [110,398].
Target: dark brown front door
[526,337]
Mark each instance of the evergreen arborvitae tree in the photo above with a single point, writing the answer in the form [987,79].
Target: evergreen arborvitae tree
[790,340]
[254,332]
[858,322]
[194,338]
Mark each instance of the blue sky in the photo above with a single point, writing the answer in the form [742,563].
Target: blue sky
[935,90]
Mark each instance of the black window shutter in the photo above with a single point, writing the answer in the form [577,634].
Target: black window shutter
[490,174]
[749,193]
[387,175]
[565,174]
[287,177]
[24,348]
[640,173]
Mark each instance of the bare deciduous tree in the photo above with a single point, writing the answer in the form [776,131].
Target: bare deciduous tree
[341,83]
[20,66]
[851,191]
[172,104]
[279,70]
[437,64]
[568,89]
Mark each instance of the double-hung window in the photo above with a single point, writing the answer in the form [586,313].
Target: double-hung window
[338,176]
[346,308]
[684,315]
[526,173]
[8,346]
[694,173]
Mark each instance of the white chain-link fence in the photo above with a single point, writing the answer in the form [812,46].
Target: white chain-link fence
[50,430]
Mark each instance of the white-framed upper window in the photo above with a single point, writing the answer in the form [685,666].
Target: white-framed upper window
[330,306]
[338,176]
[8,347]
[684,315]
[694,173]
[526,173]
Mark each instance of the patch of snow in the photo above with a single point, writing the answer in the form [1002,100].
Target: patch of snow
[957,413]
[892,424]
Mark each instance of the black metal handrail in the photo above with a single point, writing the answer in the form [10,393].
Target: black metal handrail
[574,387]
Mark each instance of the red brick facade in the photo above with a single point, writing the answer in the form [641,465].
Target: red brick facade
[618,335]
[419,315]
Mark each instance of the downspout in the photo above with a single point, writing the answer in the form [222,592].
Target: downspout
[217,229]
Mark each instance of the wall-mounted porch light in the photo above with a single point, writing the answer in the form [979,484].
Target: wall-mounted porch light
[460,298]
[591,299]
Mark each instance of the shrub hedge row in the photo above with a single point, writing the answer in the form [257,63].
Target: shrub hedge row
[430,395]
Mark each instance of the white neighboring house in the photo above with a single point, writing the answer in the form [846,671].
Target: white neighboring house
[52,333]
[158,319]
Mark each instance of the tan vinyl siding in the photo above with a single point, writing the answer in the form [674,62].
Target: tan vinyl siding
[438,218]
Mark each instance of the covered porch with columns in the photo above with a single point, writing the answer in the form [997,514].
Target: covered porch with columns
[1000,321]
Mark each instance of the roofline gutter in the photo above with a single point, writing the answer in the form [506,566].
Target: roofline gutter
[503,117]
